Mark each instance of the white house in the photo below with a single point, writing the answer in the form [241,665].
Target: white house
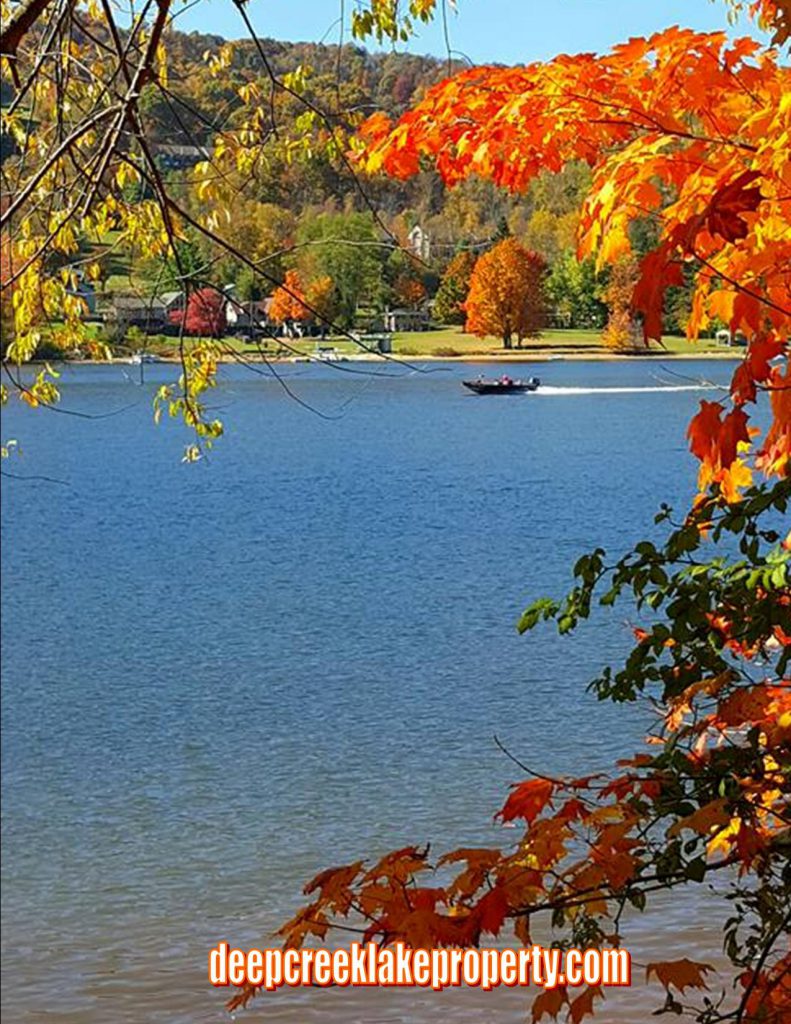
[419,243]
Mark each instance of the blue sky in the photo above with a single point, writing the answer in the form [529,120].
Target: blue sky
[507,31]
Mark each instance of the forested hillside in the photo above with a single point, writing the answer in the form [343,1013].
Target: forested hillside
[305,193]
[301,206]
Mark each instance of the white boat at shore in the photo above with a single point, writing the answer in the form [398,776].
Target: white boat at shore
[139,358]
[328,354]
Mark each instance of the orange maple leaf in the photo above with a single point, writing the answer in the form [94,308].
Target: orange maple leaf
[679,974]
[549,1003]
[724,215]
[527,800]
[658,270]
[704,819]
[582,1006]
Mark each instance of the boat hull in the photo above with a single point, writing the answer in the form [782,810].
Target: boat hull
[497,387]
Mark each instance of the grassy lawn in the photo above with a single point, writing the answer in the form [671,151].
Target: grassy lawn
[452,341]
[446,343]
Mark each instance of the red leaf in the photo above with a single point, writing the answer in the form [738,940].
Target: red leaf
[732,431]
[582,1006]
[703,429]
[492,910]
[657,272]
[527,800]
[549,1003]
[680,974]
[755,368]
[729,203]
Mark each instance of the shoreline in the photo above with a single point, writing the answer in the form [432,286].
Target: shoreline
[521,356]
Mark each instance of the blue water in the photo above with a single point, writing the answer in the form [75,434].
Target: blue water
[220,678]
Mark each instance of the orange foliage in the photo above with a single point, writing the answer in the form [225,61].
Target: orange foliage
[321,298]
[768,997]
[527,800]
[680,974]
[506,293]
[620,329]
[288,301]
[409,291]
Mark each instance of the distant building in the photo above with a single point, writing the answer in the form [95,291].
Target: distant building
[172,301]
[406,320]
[174,157]
[558,319]
[147,313]
[419,243]
[250,315]
[726,337]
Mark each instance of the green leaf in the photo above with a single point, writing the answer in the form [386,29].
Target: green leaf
[695,871]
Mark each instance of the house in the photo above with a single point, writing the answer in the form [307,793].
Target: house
[173,302]
[172,157]
[250,315]
[418,242]
[147,313]
[406,320]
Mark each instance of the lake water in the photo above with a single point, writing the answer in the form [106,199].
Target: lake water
[220,678]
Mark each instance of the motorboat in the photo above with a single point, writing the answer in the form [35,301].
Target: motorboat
[504,385]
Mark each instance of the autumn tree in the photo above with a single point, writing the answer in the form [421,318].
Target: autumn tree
[204,315]
[289,302]
[549,235]
[346,248]
[454,288]
[409,291]
[506,295]
[321,298]
[621,331]
[264,231]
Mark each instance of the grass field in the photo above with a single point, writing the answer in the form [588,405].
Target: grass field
[453,342]
[450,343]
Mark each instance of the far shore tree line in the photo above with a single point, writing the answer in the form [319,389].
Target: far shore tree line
[345,244]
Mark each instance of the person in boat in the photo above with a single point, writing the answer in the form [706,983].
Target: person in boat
[505,379]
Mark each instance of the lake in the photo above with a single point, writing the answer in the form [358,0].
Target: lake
[220,678]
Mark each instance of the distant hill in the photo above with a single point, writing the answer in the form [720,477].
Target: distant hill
[342,80]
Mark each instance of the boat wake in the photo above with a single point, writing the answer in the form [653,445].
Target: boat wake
[559,392]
